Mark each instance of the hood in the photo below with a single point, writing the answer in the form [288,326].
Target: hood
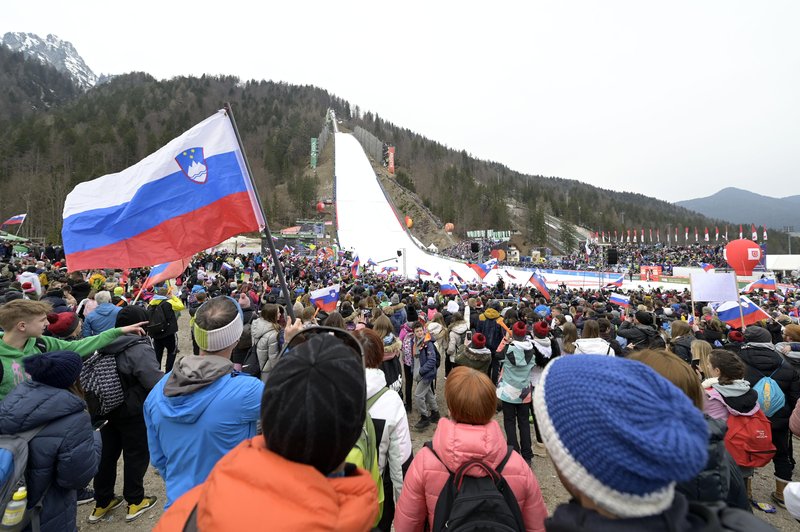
[181,401]
[525,345]
[32,404]
[457,443]
[434,328]
[459,327]
[296,496]
[734,389]
[376,380]
[743,404]
[760,345]
[489,314]
[106,309]
[481,351]
[572,517]
[593,346]
[544,346]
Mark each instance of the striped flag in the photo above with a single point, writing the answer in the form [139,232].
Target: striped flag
[163,272]
[707,267]
[15,220]
[448,290]
[325,298]
[761,284]
[621,300]
[371,262]
[421,272]
[729,313]
[454,274]
[354,267]
[538,282]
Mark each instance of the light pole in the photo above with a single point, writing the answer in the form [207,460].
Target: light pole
[789,230]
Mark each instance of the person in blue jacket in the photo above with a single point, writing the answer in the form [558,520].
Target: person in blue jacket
[64,455]
[202,408]
[425,365]
[103,317]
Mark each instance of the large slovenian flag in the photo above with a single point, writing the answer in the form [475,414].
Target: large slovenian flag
[761,284]
[538,282]
[728,312]
[325,298]
[354,267]
[15,220]
[448,290]
[483,269]
[166,271]
[131,218]
[454,274]
[621,300]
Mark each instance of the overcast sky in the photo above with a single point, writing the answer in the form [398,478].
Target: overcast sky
[675,100]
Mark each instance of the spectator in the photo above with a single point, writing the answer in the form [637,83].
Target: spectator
[103,317]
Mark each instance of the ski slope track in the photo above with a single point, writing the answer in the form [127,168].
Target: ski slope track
[368,226]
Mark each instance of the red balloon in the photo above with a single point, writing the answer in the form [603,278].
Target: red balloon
[743,255]
[320,207]
[448,227]
[409,222]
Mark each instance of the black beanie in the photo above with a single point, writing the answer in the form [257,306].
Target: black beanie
[130,315]
[411,313]
[59,369]
[314,404]
[644,317]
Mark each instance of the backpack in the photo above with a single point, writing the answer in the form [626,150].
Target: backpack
[461,346]
[365,452]
[770,395]
[158,322]
[246,340]
[101,383]
[250,364]
[477,503]
[13,464]
[749,440]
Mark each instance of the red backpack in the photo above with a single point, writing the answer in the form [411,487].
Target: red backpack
[749,440]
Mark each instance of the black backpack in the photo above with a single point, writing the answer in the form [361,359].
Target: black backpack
[158,321]
[477,504]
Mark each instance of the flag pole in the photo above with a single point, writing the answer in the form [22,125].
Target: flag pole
[266,235]
[739,300]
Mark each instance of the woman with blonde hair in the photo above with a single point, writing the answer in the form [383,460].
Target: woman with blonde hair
[568,340]
[392,346]
[468,434]
[681,338]
[700,351]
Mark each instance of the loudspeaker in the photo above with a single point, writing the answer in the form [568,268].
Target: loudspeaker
[613,256]
[399,252]
[475,247]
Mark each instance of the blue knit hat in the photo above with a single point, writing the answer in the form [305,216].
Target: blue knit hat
[626,439]
[59,369]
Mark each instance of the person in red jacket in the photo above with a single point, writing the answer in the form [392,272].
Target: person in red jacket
[469,433]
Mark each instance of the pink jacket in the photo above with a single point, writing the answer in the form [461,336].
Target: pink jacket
[456,443]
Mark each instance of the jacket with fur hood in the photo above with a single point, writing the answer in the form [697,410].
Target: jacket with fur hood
[391,430]
[455,444]
[593,346]
[438,335]
[457,337]
[489,325]
[475,358]
[515,382]
[238,495]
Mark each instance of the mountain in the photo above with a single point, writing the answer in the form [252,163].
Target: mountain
[742,206]
[53,51]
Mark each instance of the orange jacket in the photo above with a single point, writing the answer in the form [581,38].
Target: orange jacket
[252,488]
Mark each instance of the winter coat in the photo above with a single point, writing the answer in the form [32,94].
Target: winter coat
[489,326]
[391,366]
[515,383]
[455,444]
[246,339]
[456,337]
[58,303]
[398,319]
[682,347]
[593,346]
[33,278]
[427,360]
[615,345]
[101,319]
[721,479]
[762,360]
[265,337]
[682,515]
[439,336]
[391,429]
[545,350]
[252,488]
[474,358]
[639,336]
[138,372]
[204,402]
[63,456]
[723,400]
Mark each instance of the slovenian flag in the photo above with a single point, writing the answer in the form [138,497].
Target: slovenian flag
[421,272]
[371,262]
[728,312]
[707,267]
[287,250]
[325,298]
[617,283]
[621,300]
[354,267]
[448,290]
[163,272]
[389,269]
[437,276]
[538,282]
[15,220]
[131,219]
[761,284]
[483,269]
[454,274]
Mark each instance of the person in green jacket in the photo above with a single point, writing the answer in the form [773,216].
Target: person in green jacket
[24,322]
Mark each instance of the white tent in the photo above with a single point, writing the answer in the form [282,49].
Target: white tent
[432,248]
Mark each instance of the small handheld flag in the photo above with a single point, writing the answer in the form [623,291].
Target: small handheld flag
[162,272]
[728,312]
[538,282]
[620,300]
[761,284]
[421,272]
[707,267]
[325,298]
[15,220]
[454,274]
[354,267]
[448,290]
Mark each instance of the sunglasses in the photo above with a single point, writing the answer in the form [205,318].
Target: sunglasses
[306,334]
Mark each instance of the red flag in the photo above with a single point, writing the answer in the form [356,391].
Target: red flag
[651,234]
[686,235]
[765,233]
[706,235]
[740,231]
[755,232]
[716,238]
[696,235]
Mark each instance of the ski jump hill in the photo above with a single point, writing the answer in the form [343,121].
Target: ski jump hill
[369,226]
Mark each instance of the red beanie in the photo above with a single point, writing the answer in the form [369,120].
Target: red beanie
[540,329]
[62,324]
[519,330]
[736,336]
[478,341]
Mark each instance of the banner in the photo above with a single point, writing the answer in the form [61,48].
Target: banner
[391,160]
[714,287]
[650,273]
[313,152]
